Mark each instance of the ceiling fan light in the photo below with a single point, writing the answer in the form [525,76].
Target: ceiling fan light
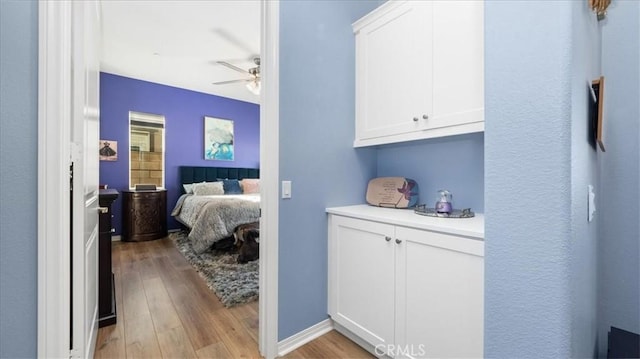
[254,87]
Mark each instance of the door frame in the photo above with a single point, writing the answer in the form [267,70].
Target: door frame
[54,151]
[270,177]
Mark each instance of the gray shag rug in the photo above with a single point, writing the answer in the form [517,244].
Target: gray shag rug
[233,283]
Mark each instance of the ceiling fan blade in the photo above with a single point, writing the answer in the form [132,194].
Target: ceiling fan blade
[233,67]
[231,81]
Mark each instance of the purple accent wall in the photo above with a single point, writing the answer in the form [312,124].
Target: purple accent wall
[184,112]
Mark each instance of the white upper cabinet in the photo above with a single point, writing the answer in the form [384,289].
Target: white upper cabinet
[419,71]
[393,70]
[458,63]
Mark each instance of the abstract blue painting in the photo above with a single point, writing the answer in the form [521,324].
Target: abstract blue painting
[218,139]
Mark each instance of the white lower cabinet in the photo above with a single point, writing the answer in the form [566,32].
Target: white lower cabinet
[362,297]
[409,293]
[439,295]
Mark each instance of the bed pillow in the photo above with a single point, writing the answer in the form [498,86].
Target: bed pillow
[231,186]
[208,189]
[188,187]
[250,185]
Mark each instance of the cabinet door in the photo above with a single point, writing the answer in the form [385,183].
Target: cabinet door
[361,278]
[458,63]
[439,295]
[146,211]
[394,71]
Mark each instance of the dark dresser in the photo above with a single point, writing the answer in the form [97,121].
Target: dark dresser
[144,215]
[106,288]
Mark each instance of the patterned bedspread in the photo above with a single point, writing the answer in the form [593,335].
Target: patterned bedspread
[212,218]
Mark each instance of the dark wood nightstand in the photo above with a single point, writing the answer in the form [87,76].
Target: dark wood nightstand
[106,288]
[144,215]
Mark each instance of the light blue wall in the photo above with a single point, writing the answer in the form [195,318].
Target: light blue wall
[18,177]
[455,163]
[619,235]
[585,66]
[527,178]
[317,110]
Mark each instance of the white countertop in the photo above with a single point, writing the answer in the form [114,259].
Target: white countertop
[469,227]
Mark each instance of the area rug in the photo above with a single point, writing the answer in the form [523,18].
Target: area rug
[233,283]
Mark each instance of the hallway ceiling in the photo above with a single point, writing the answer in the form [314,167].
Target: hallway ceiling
[177,43]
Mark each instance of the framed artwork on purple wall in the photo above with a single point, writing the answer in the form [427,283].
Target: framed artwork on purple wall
[108,150]
[218,139]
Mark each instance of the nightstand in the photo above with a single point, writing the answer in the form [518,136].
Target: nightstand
[144,215]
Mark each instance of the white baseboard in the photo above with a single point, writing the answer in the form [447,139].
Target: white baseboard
[356,339]
[174,230]
[299,339]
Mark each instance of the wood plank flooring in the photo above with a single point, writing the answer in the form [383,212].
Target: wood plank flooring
[165,310]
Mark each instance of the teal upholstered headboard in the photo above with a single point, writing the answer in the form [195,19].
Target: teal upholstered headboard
[191,174]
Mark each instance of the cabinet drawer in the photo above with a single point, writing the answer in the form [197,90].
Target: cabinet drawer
[139,196]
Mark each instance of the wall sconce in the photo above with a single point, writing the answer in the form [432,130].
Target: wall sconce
[599,7]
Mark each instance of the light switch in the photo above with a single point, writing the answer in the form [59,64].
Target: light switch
[591,205]
[286,189]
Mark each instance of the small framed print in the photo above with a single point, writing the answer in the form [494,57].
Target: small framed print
[108,150]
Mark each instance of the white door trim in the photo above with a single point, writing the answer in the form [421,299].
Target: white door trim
[269,173]
[54,114]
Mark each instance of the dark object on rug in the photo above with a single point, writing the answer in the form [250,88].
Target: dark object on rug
[227,244]
[246,239]
[232,282]
[249,249]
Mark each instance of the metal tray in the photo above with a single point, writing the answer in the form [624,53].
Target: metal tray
[422,210]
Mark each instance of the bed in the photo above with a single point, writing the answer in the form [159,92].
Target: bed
[211,218]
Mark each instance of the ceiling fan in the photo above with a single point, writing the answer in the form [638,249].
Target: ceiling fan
[253,81]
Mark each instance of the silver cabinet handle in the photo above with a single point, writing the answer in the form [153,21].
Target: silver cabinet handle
[387,238]
[398,240]
[425,117]
[103,210]
[415,119]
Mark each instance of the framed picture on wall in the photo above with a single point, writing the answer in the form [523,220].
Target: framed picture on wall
[596,113]
[108,150]
[218,139]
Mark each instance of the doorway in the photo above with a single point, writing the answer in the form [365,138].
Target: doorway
[52,332]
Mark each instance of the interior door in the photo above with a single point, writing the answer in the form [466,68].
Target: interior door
[85,125]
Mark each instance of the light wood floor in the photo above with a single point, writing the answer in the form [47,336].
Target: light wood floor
[165,310]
